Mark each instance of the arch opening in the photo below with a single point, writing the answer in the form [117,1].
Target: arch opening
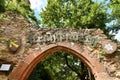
[24,69]
[61,65]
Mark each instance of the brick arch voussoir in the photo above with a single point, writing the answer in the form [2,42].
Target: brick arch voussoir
[25,67]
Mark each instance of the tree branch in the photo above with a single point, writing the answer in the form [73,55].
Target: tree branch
[66,59]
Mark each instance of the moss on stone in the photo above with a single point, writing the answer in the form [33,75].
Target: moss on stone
[3,40]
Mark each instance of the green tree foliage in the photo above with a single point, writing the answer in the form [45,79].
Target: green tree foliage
[74,13]
[2,4]
[19,7]
[114,5]
[61,66]
[40,73]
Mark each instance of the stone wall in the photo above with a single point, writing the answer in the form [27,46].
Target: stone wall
[31,38]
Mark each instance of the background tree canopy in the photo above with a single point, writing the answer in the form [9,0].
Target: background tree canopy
[74,13]
[61,66]
[115,15]
[82,14]
[19,7]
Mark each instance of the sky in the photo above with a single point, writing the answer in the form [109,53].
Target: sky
[37,6]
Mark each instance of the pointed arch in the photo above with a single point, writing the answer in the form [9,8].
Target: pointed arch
[25,67]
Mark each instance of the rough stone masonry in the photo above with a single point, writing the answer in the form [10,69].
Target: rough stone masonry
[15,28]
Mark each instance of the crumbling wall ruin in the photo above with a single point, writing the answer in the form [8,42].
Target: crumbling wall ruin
[15,28]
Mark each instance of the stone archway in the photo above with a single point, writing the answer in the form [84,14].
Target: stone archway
[24,56]
[25,67]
